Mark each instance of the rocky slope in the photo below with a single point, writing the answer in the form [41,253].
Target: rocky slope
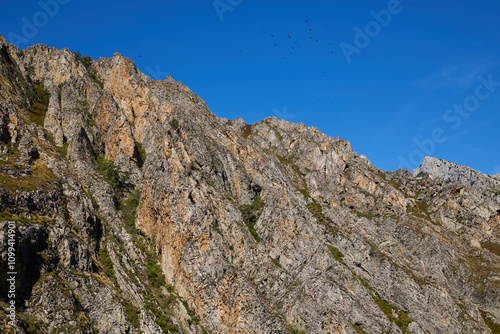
[138,210]
[454,173]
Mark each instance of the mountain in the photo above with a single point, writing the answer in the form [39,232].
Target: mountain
[133,208]
[452,172]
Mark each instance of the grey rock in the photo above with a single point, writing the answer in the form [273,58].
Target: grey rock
[451,172]
[154,215]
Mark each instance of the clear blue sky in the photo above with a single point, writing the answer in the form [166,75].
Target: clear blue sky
[395,90]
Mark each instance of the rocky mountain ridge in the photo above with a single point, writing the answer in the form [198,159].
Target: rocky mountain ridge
[454,173]
[139,210]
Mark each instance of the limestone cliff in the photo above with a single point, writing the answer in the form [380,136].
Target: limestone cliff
[454,173]
[139,210]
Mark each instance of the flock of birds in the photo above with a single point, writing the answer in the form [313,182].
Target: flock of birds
[293,43]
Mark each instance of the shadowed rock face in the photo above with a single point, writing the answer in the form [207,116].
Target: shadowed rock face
[152,214]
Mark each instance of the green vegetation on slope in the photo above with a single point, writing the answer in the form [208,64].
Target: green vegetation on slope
[42,177]
[246,130]
[115,177]
[142,153]
[40,103]
[337,254]
[251,214]
[495,328]
[129,210]
[106,263]
[87,62]
[394,314]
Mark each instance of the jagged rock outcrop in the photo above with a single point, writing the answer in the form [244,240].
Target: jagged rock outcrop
[454,173]
[149,213]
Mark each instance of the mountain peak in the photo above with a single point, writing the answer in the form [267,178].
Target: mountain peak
[137,209]
[454,173]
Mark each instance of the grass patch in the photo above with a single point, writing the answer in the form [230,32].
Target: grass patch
[304,192]
[482,270]
[251,214]
[296,169]
[87,62]
[317,211]
[391,182]
[422,206]
[492,247]
[364,283]
[276,132]
[253,232]
[42,171]
[189,311]
[41,177]
[34,326]
[337,254]
[63,150]
[299,180]
[115,177]
[246,130]
[40,103]
[194,319]
[422,174]
[421,210]
[358,329]
[276,262]
[495,328]
[287,160]
[106,263]
[215,226]
[35,218]
[132,312]
[366,215]
[401,320]
[129,211]
[154,273]
[174,124]
[141,153]
[165,323]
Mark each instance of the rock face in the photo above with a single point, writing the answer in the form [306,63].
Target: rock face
[138,210]
[454,173]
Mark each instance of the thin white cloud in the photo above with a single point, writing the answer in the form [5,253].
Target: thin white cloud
[448,77]
[459,75]
[469,130]
[433,120]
